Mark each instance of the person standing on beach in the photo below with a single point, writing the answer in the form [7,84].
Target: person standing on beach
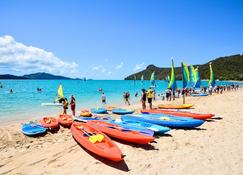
[150,97]
[65,105]
[103,98]
[73,104]
[143,98]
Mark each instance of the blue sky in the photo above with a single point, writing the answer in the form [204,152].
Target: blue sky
[110,39]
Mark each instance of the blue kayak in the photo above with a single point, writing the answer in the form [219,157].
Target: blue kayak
[121,111]
[167,120]
[199,95]
[156,128]
[124,125]
[99,110]
[32,129]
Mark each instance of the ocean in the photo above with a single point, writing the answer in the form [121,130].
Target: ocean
[25,101]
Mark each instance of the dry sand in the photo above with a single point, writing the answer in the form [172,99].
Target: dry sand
[214,148]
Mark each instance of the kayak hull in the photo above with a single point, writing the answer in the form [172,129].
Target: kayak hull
[49,122]
[184,106]
[168,121]
[33,129]
[178,113]
[156,128]
[106,148]
[125,125]
[122,111]
[99,110]
[121,133]
[65,120]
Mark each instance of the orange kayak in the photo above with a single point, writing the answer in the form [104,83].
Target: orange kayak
[65,120]
[118,132]
[104,148]
[178,113]
[49,122]
[184,106]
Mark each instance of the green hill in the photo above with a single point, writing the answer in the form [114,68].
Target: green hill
[225,68]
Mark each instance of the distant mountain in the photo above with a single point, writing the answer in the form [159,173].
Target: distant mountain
[45,76]
[37,76]
[8,76]
[225,68]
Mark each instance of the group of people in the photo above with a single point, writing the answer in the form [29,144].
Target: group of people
[65,104]
[149,96]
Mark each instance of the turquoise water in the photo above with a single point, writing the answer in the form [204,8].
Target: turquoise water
[25,102]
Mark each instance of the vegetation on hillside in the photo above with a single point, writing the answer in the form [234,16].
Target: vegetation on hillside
[225,68]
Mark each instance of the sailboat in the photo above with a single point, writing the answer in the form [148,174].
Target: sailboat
[197,85]
[211,80]
[185,78]
[59,97]
[172,84]
[152,80]
[142,79]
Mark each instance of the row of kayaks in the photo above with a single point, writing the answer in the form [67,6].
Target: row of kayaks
[46,123]
[94,133]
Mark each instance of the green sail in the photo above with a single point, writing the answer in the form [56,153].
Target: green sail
[211,80]
[152,79]
[172,84]
[185,75]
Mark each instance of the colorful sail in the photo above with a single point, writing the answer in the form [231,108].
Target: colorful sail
[197,78]
[167,78]
[211,80]
[192,76]
[142,79]
[172,84]
[152,79]
[60,94]
[185,75]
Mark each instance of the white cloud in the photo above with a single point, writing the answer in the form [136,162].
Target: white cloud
[99,68]
[119,66]
[20,58]
[139,66]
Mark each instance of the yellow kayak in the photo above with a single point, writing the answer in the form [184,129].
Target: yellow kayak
[184,106]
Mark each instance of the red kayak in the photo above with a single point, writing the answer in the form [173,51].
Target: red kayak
[118,132]
[49,122]
[65,120]
[178,113]
[88,137]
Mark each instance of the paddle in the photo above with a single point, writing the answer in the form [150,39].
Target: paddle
[92,138]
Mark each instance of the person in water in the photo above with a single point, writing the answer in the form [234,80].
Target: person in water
[150,97]
[143,98]
[65,105]
[103,98]
[11,91]
[73,104]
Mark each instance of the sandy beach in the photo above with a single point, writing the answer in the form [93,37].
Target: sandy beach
[214,148]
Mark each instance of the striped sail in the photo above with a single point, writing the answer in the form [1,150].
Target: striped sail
[172,84]
[185,75]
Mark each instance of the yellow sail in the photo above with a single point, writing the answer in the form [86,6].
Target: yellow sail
[60,92]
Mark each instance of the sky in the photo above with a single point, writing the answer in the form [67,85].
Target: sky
[111,39]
